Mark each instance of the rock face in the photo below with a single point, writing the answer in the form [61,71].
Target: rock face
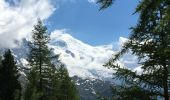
[90,89]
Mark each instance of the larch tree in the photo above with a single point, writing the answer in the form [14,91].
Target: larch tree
[150,42]
[39,59]
[43,80]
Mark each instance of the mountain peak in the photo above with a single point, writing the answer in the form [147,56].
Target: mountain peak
[80,58]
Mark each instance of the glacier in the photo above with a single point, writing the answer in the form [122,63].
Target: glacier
[81,59]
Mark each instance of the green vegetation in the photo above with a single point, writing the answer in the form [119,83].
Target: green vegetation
[10,88]
[47,80]
[150,42]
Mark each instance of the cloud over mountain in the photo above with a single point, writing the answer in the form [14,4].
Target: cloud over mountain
[85,60]
[18,17]
[80,58]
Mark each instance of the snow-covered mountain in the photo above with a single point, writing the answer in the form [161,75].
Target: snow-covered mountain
[81,59]
[91,89]
[84,62]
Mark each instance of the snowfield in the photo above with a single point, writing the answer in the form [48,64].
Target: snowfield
[81,59]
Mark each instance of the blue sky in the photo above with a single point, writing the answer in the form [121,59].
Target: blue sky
[80,18]
[85,22]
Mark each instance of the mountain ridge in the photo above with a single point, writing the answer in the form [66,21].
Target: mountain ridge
[81,59]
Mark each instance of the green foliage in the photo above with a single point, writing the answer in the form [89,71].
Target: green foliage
[31,92]
[67,88]
[150,42]
[40,81]
[10,88]
[46,76]
[131,92]
[105,3]
[100,97]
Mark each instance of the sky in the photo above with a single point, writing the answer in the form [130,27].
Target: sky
[85,22]
[80,18]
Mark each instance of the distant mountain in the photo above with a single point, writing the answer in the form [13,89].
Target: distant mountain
[84,63]
[81,59]
[90,89]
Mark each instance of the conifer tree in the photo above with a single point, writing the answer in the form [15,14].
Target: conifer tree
[31,91]
[40,60]
[10,88]
[44,82]
[67,89]
[150,42]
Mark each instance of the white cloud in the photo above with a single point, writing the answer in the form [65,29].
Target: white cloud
[92,1]
[74,1]
[17,20]
[127,60]
[138,69]
[122,41]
